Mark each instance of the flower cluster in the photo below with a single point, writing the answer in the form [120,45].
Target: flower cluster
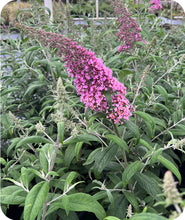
[91,77]
[129,31]
[155,5]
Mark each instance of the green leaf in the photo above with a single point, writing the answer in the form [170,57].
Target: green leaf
[9,90]
[120,142]
[86,138]
[35,200]
[147,216]
[13,144]
[65,201]
[130,59]
[133,129]
[160,107]
[2,161]
[111,218]
[72,175]
[145,143]
[104,158]
[37,173]
[155,155]
[78,147]
[92,156]
[130,170]
[179,130]
[110,197]
[81,202]
[13,195]
[149,184]
[33,139]
[149,121]
[33,86]
[169,165]
[33,48]
[24,177]
[69,155]
[52,173]
[123,73]
[162,91]
[60,127]
[96,115]
[113,59]
[132,200]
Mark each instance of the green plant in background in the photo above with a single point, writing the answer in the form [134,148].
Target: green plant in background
[60,161]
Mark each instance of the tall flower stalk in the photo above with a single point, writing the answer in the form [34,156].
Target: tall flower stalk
[155,5]
[93,80]
[129,31]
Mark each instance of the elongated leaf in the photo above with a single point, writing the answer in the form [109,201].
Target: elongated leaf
[13,195]
[169,165]
[123,73]
[78,147]
[9,90]
[133,130]
[69,154]
[149,184]
[147,216]
[155,155]
[86,138]
[104,158]
[35,200]
[24,177]
[72,175]
[33,139]
[2,161]
[121,143]
[149,121]
[130,170]
[92,156]
[33,48]
[36,172]
[132,199]
[144,143]
[60,127]
[33,86]
[160,107]
[130,59]
[65,201]
[162,91]
[13,144]
[111,218]
[81,202]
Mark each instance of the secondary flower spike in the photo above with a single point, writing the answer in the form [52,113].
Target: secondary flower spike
[129,31]
[155,5]
[93,80]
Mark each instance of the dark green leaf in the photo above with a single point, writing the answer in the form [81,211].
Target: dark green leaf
[35,200]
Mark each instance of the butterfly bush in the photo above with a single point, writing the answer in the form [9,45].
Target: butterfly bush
[93,80]
[155,5]
[129,31]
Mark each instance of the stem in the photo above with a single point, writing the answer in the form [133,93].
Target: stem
[177,208]
[123,151]
[183,119]
[168,71]
[57,145]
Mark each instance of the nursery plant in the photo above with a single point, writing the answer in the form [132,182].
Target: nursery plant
[93,118]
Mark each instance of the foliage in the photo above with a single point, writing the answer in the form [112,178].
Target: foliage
[62,162]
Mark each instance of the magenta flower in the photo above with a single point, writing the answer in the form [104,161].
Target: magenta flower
[91,77]
[155,5]
[129,31]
